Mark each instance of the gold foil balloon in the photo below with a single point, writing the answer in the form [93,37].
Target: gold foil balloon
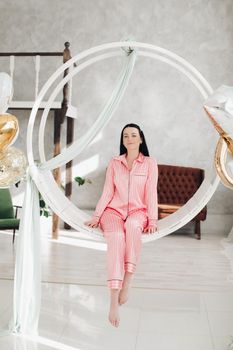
[13,165]
[9,128]
[224,163]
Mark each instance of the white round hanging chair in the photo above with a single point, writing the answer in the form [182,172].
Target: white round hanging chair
[43,177]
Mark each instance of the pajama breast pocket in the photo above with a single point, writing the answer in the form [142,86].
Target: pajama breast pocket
[140,178]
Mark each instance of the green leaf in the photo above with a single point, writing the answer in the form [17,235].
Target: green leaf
[79,180]
[42,203]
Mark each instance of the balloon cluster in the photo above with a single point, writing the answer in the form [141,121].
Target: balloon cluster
[13,162]
[219,108]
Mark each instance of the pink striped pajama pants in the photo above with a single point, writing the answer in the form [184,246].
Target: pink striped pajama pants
[123,243]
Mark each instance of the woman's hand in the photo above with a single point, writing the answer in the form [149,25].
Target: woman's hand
[94,222]
[151,229]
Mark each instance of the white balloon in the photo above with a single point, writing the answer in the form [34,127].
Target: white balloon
[6,91]
[222,99]
[220,106]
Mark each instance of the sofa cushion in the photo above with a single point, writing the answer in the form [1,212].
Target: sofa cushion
[9,224]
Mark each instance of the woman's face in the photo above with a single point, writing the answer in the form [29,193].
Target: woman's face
[131,139]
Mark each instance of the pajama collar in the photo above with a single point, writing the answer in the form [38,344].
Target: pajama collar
[122,158]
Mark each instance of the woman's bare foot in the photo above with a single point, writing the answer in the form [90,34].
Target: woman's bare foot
[124,292]
[114,317]
[124,295]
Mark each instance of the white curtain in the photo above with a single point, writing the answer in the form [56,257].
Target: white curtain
[27,290]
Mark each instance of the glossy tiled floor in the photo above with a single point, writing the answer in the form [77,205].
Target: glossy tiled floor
[182,298]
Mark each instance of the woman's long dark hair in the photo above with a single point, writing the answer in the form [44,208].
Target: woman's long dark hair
[143,146]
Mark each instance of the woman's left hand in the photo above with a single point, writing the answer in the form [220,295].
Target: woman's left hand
[151,229]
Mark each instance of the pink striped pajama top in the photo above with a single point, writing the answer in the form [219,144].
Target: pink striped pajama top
[126,191]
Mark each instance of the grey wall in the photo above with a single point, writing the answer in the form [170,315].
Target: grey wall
[160,99]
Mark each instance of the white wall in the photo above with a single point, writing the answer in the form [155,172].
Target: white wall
[160,99]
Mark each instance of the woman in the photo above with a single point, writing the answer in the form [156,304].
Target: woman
[128,206]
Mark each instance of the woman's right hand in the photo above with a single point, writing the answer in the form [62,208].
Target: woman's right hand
[94,222]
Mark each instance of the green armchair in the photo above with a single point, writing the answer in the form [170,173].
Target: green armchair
[8,212]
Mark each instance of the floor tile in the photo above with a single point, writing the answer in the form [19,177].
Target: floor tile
[14,342]
[172,300]
[152,341]
[51,324]
[179,322]
[94,338]
[6,294]
[223,343]
[221,323]
[218,301]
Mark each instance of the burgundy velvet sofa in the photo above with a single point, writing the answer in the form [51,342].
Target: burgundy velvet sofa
[176,185]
